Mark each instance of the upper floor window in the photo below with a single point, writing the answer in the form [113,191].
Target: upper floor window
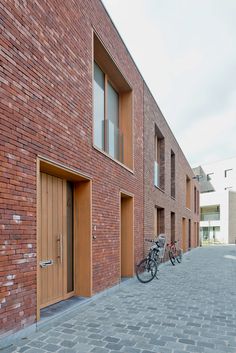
[195,199]
[112,108]
[172,174]
[159,159]
[188,192]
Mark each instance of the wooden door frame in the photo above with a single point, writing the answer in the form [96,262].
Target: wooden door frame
[183,228]
[130,269]
[82,230]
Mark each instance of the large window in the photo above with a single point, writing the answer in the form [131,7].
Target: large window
[99,107]
[172,218]
[112,108]
[188,192]
[159,221]
[172,174]
[159,159]
[107,135]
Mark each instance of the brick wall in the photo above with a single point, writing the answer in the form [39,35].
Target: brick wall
[46,110]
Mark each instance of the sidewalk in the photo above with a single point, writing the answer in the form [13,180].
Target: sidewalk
[191,308]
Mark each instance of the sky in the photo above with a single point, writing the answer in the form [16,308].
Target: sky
[186,52]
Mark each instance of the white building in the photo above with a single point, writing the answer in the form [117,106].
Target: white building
[218,201]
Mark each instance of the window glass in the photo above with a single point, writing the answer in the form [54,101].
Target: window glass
[112,105]
[113,121]
[99,106]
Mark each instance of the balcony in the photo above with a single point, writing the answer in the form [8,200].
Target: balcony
[210,216]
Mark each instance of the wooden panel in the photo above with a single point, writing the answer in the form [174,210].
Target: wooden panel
[126,126]
[183,246]
[38,238]
[43,238]
[107,64]
[155,223]
[83,240]
[53,220]
[189,233]
[61,171]
[127,237]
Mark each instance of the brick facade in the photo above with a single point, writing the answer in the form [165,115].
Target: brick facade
[46,110]
[161,197]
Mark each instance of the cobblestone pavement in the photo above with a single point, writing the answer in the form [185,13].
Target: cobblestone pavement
[191,308]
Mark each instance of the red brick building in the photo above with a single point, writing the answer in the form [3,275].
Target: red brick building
[77,193]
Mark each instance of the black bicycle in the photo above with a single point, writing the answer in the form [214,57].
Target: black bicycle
[147,268]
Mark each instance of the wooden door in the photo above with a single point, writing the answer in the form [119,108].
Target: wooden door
[52,239]
[127,236]
[184,234]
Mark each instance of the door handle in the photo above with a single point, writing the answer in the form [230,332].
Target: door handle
[45,263]
[60,247]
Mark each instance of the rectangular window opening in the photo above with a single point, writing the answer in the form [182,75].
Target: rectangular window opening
[172,173]
[172,226]
[188,192]
[159,159]
[112,108]
[159,221]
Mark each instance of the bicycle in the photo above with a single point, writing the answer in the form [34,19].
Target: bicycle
[174,253]
[147,268]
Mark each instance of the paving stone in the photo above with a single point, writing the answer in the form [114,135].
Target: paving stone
[206,344]
[130,350]
[23,349]
[51,347]
[186,341]
[114,346]
[100,350]
[111,339]
[68,344]
[35,350]
[180,312]
[37,344]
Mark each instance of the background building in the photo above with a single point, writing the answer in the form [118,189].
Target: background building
[218,201]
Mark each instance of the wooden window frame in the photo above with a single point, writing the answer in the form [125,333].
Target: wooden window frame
[121,85]
[107,80]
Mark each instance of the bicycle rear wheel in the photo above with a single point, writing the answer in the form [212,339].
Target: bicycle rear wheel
[172,258]
[146,270]
[179,256]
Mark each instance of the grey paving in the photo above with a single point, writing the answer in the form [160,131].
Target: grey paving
[190,309]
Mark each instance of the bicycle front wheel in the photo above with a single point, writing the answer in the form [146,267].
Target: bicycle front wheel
[146,270]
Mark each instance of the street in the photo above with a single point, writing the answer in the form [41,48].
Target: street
[190,308]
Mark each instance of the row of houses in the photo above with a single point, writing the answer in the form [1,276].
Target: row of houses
[89,166]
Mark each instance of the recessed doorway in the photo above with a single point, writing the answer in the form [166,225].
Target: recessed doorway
[126,235]
[64,255]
